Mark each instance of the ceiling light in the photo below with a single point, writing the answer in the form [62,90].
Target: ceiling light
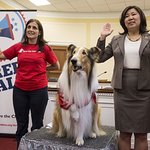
[40,2]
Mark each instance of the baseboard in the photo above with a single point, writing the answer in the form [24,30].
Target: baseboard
[7,135]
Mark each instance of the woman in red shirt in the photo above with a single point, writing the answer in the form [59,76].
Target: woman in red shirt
[30,89]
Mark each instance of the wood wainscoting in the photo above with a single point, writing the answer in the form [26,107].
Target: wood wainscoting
[61,53]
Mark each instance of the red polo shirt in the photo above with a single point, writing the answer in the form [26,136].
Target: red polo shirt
[31,70]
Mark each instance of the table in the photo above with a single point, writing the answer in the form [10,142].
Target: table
[42,139]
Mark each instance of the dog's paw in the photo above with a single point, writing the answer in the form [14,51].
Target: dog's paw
[101,132]
[93,135]
[75,115]
[73,108]
[60,134]
[79,141]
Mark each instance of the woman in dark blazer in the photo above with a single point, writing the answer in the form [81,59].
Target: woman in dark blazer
[131,77]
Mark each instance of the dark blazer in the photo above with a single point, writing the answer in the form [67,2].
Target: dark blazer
[116,48]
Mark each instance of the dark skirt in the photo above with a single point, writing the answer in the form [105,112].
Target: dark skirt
[132,106]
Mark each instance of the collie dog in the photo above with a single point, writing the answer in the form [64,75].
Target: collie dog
[77,114]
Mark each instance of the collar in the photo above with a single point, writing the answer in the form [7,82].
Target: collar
[65,104]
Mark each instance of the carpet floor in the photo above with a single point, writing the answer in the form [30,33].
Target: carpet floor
[7,143]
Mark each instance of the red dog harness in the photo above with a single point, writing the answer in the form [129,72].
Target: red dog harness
[65,103]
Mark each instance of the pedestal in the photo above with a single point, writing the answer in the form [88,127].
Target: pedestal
[42,139]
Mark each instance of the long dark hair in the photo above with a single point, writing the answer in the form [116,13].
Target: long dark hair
[40,41]
[143,23]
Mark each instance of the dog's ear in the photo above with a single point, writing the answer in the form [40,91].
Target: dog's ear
[71,48]
[94,53]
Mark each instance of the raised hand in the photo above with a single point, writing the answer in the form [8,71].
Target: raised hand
[106,31]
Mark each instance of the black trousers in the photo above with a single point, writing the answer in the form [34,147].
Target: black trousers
[25,101]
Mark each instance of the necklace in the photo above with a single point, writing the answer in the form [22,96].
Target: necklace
[133,39]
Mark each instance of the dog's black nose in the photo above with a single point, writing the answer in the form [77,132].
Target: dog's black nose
[74,61]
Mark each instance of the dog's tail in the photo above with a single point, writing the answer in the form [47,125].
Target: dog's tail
[56,118]
[97,128]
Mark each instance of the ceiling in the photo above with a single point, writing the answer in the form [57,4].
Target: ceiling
[83,6]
